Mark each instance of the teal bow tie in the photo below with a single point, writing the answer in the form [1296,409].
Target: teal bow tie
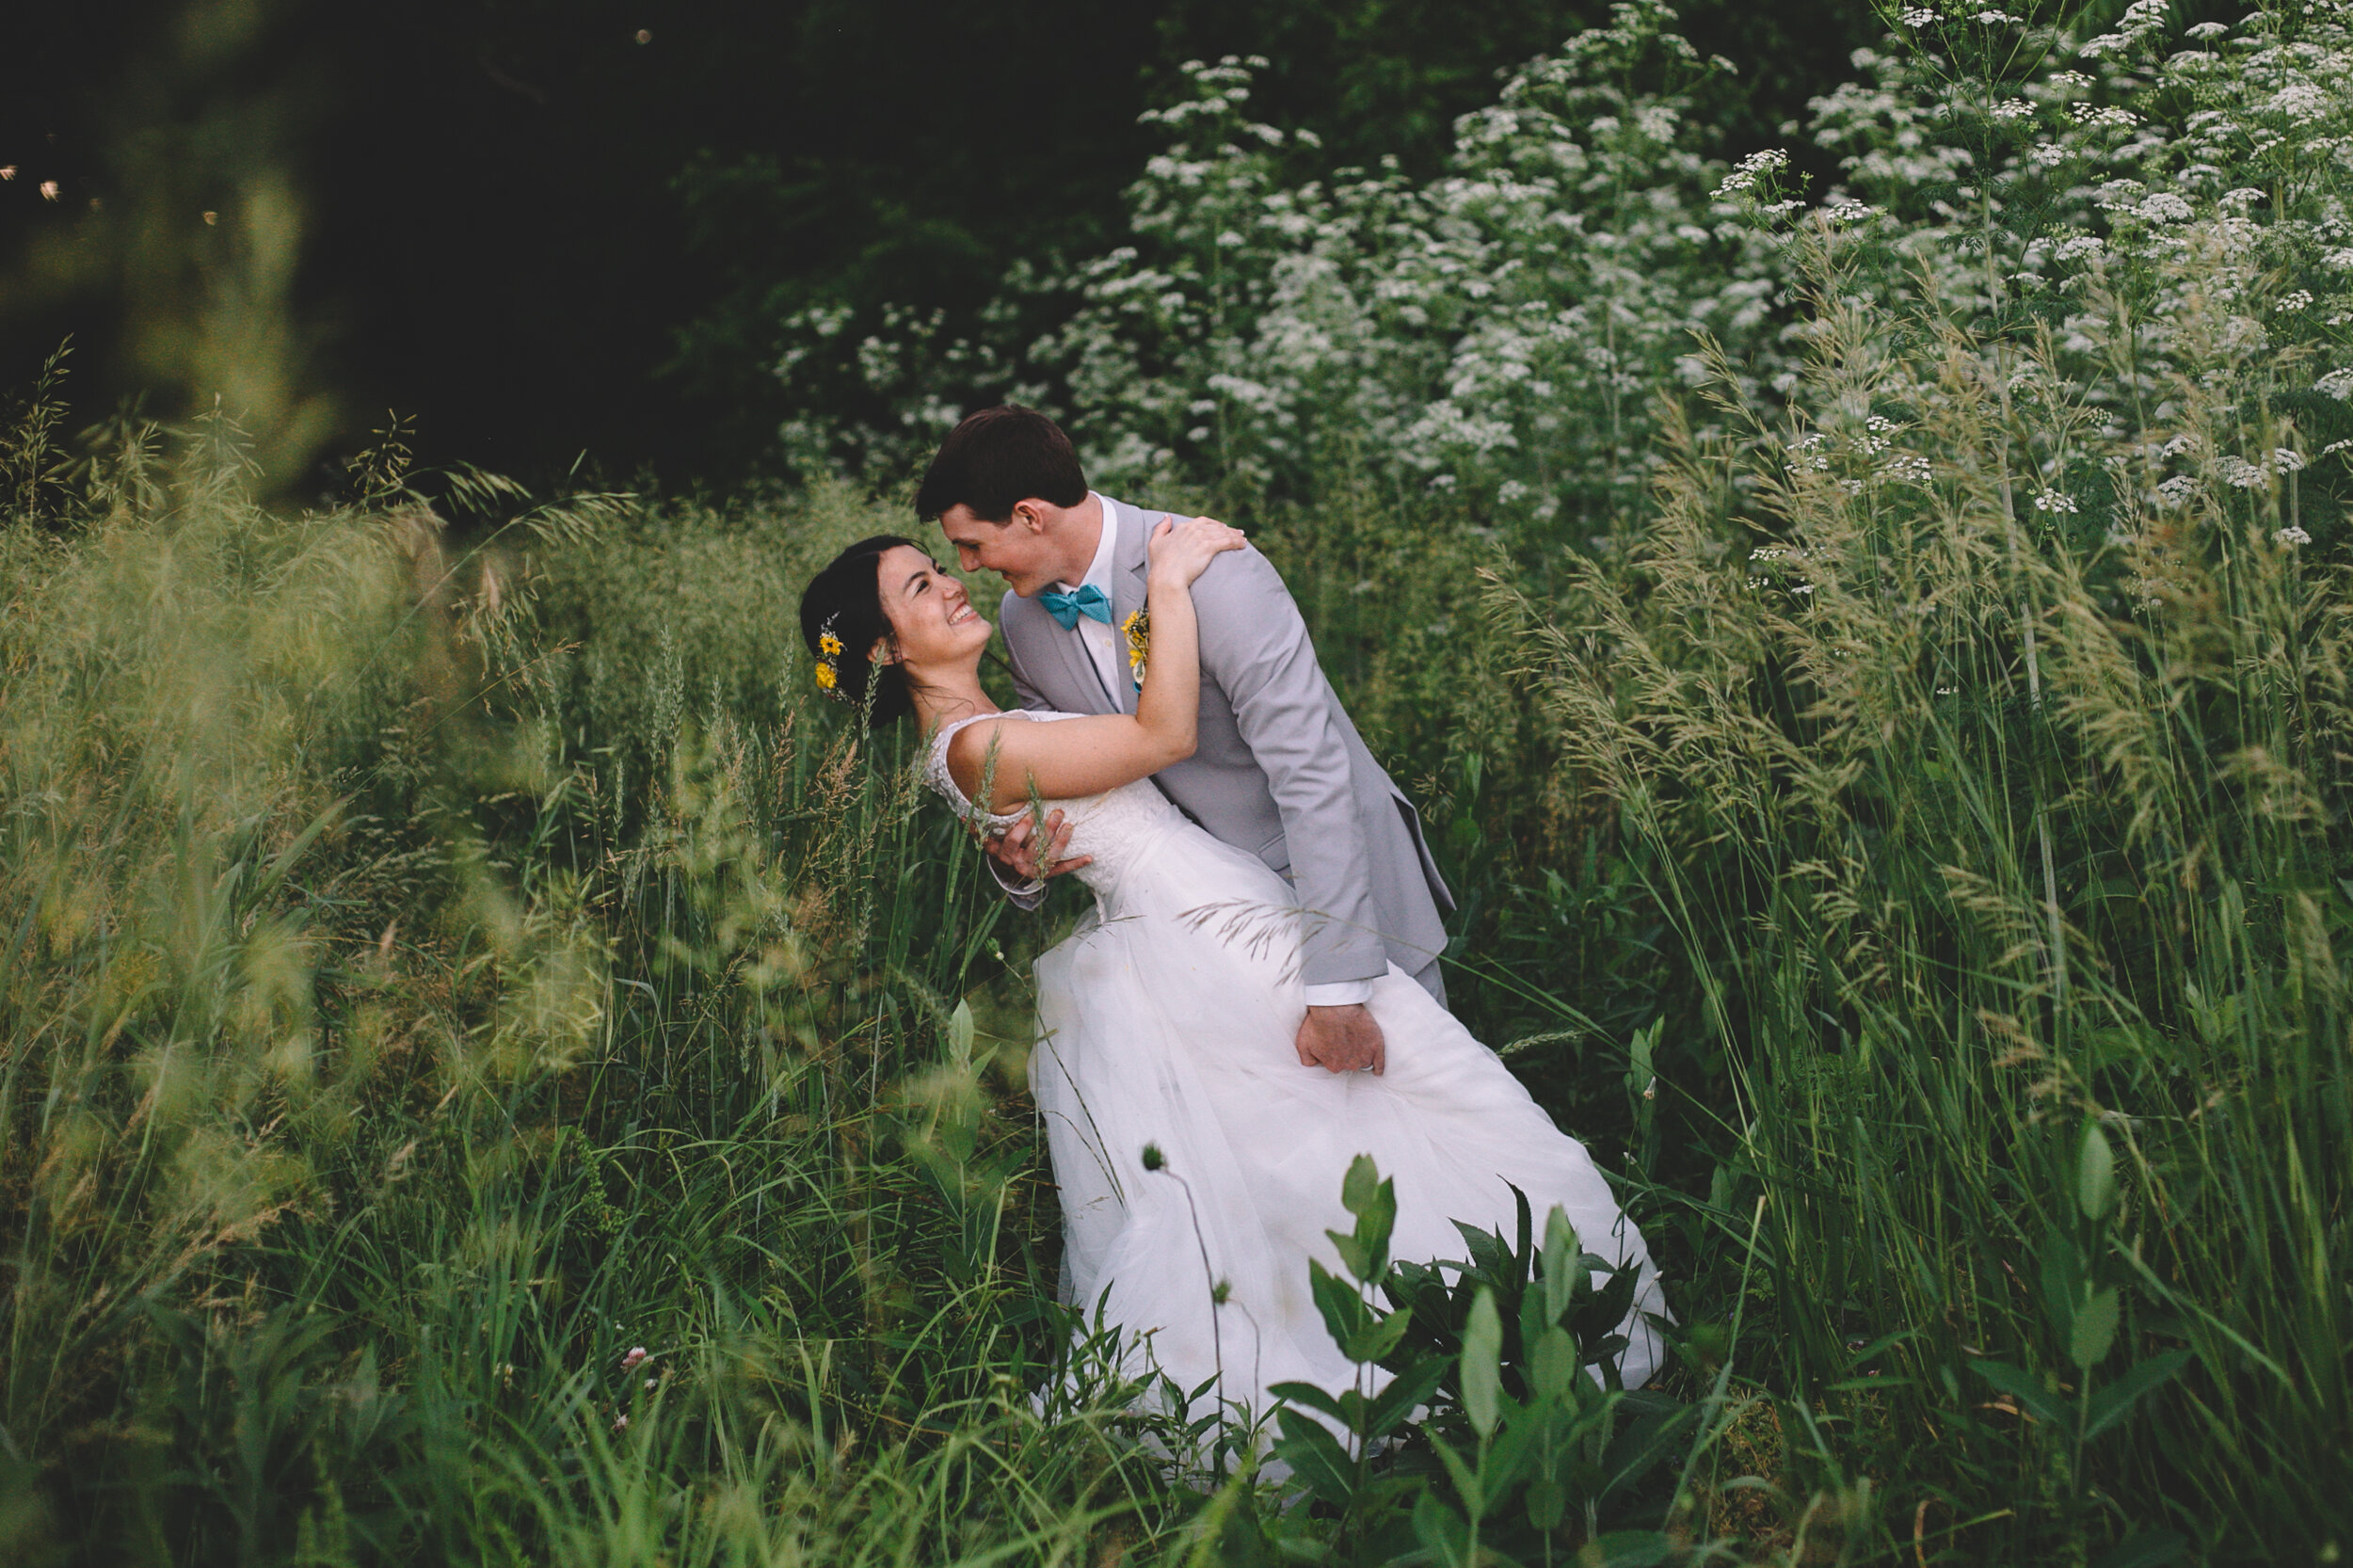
[1066,608]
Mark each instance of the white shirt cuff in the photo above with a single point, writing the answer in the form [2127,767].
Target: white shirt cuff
[1341,993]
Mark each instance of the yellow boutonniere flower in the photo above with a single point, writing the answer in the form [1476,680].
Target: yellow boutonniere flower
[824,677]
[1138,630]
[830,645]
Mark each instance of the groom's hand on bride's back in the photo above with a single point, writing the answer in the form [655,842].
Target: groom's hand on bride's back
[1018,847]
[1342,1040]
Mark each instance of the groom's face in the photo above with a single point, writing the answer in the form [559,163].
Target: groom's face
[1019,550]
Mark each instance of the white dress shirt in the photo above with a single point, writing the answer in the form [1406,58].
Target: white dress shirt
[1101,642]
[1099,638]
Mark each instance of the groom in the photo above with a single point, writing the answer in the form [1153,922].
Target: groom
[1279,772]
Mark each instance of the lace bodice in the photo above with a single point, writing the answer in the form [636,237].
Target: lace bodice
[1115,829]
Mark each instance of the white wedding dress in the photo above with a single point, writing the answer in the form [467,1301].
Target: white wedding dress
[1167,1018]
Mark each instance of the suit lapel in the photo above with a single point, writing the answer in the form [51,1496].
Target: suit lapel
[1131,570]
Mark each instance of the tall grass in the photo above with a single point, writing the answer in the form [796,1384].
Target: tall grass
[409,1013]
[1893,766]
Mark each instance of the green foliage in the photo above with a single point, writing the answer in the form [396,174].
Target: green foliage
[1897,796]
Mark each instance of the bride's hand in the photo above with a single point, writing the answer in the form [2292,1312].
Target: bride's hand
[1184,547]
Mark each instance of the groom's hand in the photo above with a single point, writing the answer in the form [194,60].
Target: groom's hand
[1018,849]
[1342,1040]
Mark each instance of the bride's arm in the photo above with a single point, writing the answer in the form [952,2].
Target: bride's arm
[1084,756]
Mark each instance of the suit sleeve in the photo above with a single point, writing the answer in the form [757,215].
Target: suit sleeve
[1021,895]
[1255,646]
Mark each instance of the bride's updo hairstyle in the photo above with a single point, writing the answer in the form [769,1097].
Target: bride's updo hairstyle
[844,603]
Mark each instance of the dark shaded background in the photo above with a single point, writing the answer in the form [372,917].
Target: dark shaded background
[539,228]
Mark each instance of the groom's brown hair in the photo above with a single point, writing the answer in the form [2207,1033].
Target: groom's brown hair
[997,458]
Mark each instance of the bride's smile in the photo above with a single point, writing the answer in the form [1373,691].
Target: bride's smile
[933,623]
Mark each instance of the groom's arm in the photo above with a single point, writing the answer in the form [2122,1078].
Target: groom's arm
[1255,646]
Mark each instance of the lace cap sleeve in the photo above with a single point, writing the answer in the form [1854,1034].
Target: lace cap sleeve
[943,782]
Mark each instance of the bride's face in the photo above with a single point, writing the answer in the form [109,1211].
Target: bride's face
[931,616]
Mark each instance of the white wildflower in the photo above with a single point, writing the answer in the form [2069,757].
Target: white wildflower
[2291,535]
[2052,501]
[2048,156]
[2177,490]
[2015,108]
[2286,459]
[2164,207]
[1919,16]
[2297,300]
[2244,196]
[2206,30]
[2081,244]
[2238,473]
[2337,384]
[2070,79]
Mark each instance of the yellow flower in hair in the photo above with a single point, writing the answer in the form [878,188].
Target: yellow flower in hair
[825,676]
[830,645]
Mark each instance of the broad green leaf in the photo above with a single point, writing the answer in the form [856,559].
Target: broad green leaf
[1358,1259]
[1359,1186]
[1409,1389]
[1556,1368]
[1344,1310]
[1562,1275]
[1377,1339]
[1307,1394]
[1548,1500]
[1443,1535]
[2111,1404]
[1316,1456]
[2026,1388]
[1482,1355]
[2093,1332]
[2095,1175]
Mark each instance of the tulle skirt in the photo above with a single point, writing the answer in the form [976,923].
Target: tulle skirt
[1168,1020]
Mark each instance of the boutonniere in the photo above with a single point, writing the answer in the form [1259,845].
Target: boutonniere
[1137,629]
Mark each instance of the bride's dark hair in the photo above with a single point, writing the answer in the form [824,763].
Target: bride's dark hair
[845,601]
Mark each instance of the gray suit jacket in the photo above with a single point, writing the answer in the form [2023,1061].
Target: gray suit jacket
[1279,773]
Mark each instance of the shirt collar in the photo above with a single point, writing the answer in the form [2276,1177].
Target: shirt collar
[1106,548]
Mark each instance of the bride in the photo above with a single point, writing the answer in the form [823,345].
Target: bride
[1168,1018]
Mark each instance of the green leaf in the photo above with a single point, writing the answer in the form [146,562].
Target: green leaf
[1377,1339]
[1442,1534]
[1344,1310]
[1307,1394]
[960,1033]
[1556,1368]
[1316,1457]
[2026,1388]
[2093,1332]
[1359,1186]
[1624,1549]
[2144,1549]
[2095,1175]
[1409,1389]
[1548,1500]
[1562,1275]
[1482,1354]
[1465,1480]
[1357,1258]
[2114,1402]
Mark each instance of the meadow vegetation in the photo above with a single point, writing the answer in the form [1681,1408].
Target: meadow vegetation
[493,1068]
